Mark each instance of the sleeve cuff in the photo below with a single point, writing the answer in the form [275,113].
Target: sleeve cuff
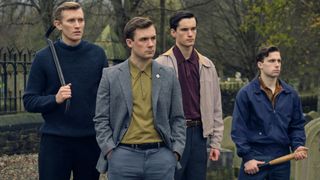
[53,100]
[294,147]
[247,157]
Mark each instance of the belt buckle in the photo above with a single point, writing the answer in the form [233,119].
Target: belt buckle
[189,123]
[193,123]
[145,146]
[151,145]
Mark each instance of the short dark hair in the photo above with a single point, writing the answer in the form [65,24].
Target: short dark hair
[136,23]
[177,17]
[65,6]
[265,51]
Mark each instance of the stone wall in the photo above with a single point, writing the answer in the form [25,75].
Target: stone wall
[19,133]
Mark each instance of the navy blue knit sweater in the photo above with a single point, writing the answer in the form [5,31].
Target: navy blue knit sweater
[82,67]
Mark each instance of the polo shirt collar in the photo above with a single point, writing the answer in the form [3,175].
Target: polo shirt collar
[194,59]
[135,71]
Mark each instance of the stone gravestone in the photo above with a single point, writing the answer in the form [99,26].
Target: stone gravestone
[227,143]
[221,169]
[308,169]
[311,116]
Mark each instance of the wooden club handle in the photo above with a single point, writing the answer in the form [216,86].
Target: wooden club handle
[282,159]
[285,158]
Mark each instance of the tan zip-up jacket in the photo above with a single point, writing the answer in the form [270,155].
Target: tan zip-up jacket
[210,96]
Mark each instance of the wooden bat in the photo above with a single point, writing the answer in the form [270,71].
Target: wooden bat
[280,160]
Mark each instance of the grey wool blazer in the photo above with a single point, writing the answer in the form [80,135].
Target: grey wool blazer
[114,108]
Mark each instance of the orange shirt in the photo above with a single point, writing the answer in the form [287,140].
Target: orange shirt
[268,91]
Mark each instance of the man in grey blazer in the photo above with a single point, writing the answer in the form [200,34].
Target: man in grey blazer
[139,117]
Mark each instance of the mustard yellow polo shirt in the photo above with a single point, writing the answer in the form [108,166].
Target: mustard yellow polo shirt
[141,129]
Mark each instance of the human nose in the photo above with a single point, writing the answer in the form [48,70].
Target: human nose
[151,42]
[77,23]
[191,32]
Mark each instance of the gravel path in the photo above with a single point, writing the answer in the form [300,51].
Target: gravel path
[18,167]
[21,167]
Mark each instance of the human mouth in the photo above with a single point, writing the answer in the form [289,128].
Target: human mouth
[77,32]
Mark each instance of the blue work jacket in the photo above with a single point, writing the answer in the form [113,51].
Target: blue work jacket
[258,125]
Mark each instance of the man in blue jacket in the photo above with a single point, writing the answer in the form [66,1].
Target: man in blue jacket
[68,141]
[268,121]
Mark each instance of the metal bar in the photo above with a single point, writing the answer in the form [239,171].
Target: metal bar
[5,84]
[15,74]
[56,62]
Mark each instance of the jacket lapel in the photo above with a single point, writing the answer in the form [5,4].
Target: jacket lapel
[125,81]
[156,86]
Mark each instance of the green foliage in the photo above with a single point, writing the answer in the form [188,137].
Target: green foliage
[268,19]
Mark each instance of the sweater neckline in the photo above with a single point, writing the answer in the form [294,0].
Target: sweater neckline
[72,48]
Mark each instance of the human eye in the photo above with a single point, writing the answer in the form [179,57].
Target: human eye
[272,60]
[144,39]
[184,29]
[71,20]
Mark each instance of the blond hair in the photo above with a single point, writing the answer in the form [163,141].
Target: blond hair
[65,6]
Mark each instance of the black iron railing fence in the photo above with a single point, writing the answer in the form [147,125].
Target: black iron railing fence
[14,68]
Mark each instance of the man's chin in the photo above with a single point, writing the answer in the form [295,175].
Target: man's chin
[146,58]
[275,75]
[189,44]
[77,38]
[150,56]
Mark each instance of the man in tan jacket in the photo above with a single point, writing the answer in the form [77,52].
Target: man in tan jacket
[201,97]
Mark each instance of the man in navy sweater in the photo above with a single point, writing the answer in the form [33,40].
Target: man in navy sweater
[268,121]
[68,141]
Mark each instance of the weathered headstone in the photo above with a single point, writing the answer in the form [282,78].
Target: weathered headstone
[227,143]
[308,169]
[311,116]
[221,169]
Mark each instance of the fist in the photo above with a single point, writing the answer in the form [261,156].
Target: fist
[301,153]
[64,93]
[251,167]
[214,154]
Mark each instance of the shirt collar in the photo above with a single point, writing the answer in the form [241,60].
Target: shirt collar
[265,88]
[194,58]
[135,71]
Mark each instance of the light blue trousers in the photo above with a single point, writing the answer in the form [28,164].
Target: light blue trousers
[126,163]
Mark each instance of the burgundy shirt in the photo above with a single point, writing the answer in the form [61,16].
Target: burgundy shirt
[189,77]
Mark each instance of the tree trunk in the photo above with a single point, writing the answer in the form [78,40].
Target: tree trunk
[122,16]
[162,36]
[45,10]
